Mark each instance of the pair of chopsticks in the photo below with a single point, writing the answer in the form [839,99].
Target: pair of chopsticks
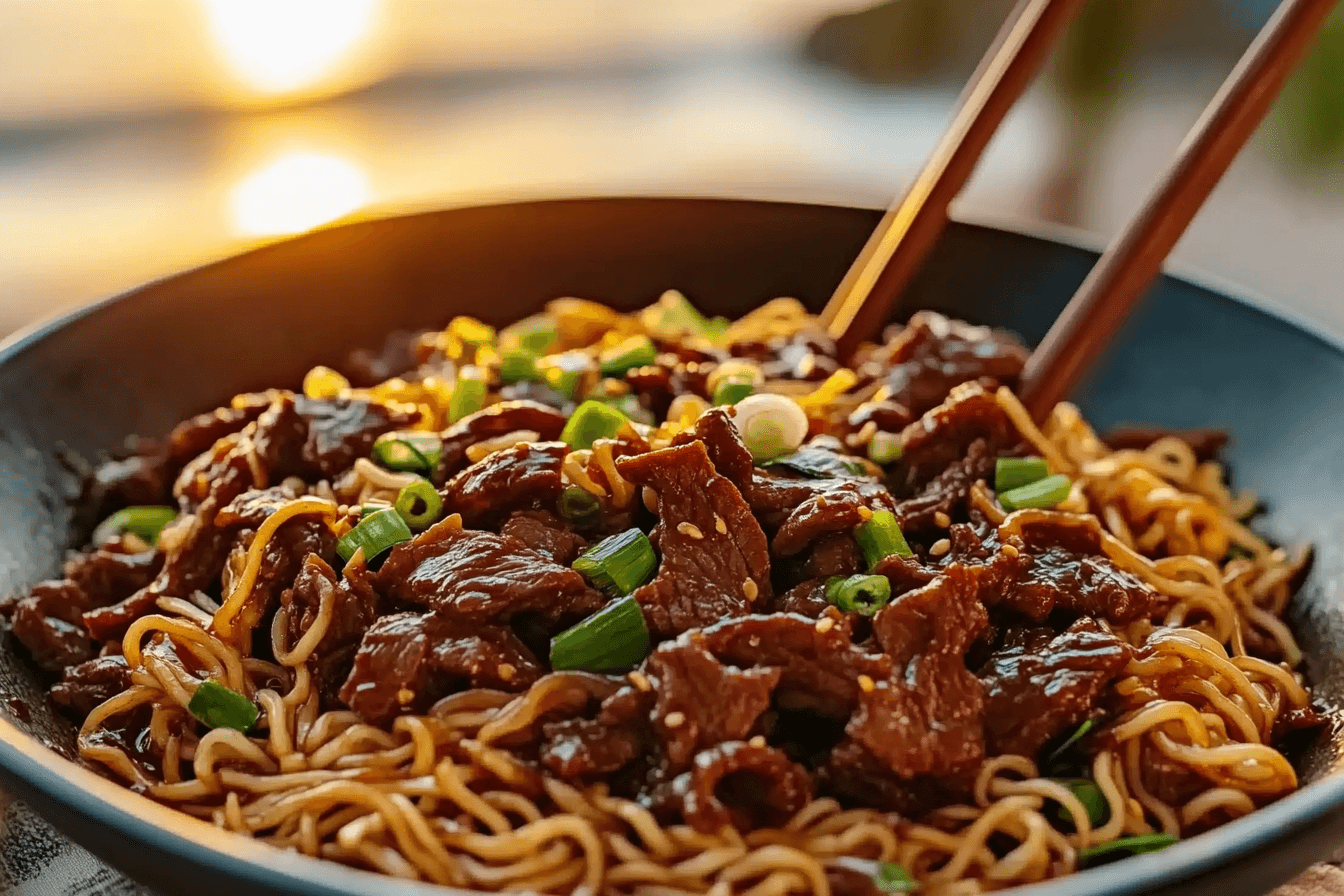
[865,298]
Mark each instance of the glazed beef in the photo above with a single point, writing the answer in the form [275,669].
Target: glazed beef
[546,534]
[479,576]
[85,686]
[715,560]
[137,480]
[49,622]
[281,560]
[496,420]
[195,435]
[523,477]
[1039,684]
[932,354]
[110,574]
[739,784]
[944,435]
[319,438]
[354,608]
[407,661]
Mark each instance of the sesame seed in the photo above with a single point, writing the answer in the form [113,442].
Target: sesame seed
[865,514]
[942,520]
[640,681]
[674,719]
[821,500]
[825,624]
[405,695]
[1009,550]
[650,498]
[866,684]
[940,547]
[719,525]
[749,589]
[758,741]
[506,671]
[690,530]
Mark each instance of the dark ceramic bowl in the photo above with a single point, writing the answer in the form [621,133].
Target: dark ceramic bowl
[139,363]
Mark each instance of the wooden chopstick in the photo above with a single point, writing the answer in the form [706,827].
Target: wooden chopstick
[1134,258]
[864,299]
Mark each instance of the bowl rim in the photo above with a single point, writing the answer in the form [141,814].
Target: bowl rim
[28,764]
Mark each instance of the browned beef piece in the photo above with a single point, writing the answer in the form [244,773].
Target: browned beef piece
[803,356]
[855,776]
[944,434]
[480,576]
[807,598]
[735,783]
[546,534]
[1207,444]
[1039,684]
[367,367]
[407,661]
[354,607]
[281,562]
[933,353]
[886,415]
[137,480]
[948,492]
[904,573]
[715,559]
[220,474]
[252,507]
[815,507]
[49,622]
[523,477]
[195,435]
[730,457]
[496,420]
[90,683]
[108,574]
[319,438]
[581,748]
[926,717]
[836,554]
[701,702]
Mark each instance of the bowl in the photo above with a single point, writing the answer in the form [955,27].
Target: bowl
[81,385]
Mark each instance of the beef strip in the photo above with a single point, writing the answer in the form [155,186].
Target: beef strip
[715,559]
[49,622]
[110,574]
[479,576]
[142,479]
[807,598]
[944,434]
[523,477]
[407,661]
[195,435]
[933,354]
[319,438]
[354,608]
[91,683]
[1039,684]
[546,534]
[738,784]
[281,560]
[496,420]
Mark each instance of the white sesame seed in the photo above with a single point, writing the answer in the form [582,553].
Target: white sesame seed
[940,547]
[942,520]
[674,719]
[749,589]
[650,498]
[640,681]
[825,624]
[1009,550]
[865,514]
[405,695]
[690,530]
[506,671]
[719,525]
[866,684]
[758,741]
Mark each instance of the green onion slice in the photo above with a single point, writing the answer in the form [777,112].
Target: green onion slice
[535,335]
[144,521]
[1074,738]
[408,452]
[518,366]
[1042,493]
[565,372]
[819,463]
[864,595]
[619,564]
[1133,845]
[628,404]
[468,395]
[672,315]
[218,707]
[891,877]
[884,448]
[615,637]
[636,351]
[579,507]
[733,389]
[591,421]
[418,504]
[373,507]
[375,533]
[1015,472]
[880,537]
[1090,795]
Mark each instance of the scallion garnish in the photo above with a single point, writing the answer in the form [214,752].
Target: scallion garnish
[619,564]
[408,452]
[1074,738]
[591,421]
[1090,795]
[1042,493]
[1133,845]
[373,507]
[566,372]
[375,533]
[880,536]
[579,507]
[468,394]
[819,463]
[864,595]
[418,504]
[1015,472]
[733,389]
[891,877]
[628,404]
[145,521]
[636,351]
[535,335]
[518,366]
[218,707]
[615,637]
[884,448]
[770,425]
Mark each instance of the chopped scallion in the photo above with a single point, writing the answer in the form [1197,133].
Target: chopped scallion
[1015,472]
[419,504]
[579,507]
[468,395]
[619,564]
[628,404]
[673,315]
[770,425]
[518,366]
[145,521]
[535,335]
[375,533]
[816,462]
[891,877]
[864,595]
[636,351]
[567,372]
[880,537]
[884,448]
[1042,493]
[1090,795]
[1074,738]
[408,452]
[615,637]
[1133,845]
[591,421]
[733,389]
[373,507]
[218,707]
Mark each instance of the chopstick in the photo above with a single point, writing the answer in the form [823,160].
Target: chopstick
[1134,258]
[863,301]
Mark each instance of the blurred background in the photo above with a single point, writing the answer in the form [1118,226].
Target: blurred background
[141,136]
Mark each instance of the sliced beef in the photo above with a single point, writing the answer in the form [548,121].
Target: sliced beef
[319,438]
[738,784]
[812,508]
[585,748]
[354,608]
[479,576]
[496,420]
[91,683]
[933,354]
[367,367]
[252,507]
[407,661]
[1039,684]
[108,574]
[904,573]
[807,598]
[944,434]
[730,457]
[546,534]
[948,492]
[852,774]
[281,561]
[523,477]
[836,554]
[141,479]
[715,559]
[196,435]
[49,622]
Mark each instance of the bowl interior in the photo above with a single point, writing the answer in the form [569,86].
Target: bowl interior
[1190,358]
